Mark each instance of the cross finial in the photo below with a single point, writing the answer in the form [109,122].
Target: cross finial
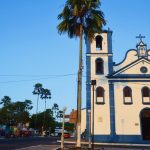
[140,37]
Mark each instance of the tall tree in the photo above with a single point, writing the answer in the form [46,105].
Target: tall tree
[60,114]
[49,124]
[78,18]
[6,100]
[16,112]
[37,91]
[55,109]
[28,104]
[45,94]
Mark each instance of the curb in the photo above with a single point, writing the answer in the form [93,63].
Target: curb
[109,144]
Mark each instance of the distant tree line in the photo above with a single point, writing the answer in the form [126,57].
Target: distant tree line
[14,113]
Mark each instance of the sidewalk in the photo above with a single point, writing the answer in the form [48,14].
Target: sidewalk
[106,146]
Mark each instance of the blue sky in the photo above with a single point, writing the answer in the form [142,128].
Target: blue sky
[32,51]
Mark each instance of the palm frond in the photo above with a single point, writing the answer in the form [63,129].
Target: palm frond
[78,13]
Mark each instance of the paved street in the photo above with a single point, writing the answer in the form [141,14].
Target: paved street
[40,147]
[50,143]
[22,143]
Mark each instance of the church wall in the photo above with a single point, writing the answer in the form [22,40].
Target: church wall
[104,44]
[131,56]
[102,111]
[128,115]
[136,69]
[115,120]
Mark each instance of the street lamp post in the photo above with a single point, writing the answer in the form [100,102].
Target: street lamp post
[89,116]
[63,124]
[93,83]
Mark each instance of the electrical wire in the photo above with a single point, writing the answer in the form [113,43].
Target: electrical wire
[27,80]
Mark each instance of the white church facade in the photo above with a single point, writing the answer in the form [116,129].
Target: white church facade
[121,94]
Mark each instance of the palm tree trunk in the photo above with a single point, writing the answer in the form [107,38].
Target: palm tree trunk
[37,104]
[79,92]
[36,111]
[44,116]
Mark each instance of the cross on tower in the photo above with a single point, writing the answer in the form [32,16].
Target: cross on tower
[140,37]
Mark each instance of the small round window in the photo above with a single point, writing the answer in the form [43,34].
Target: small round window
[143,69]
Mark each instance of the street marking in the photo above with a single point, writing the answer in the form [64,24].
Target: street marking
[28,147]
[39,147]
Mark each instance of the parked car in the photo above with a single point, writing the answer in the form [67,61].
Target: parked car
[66,135]
[25,132]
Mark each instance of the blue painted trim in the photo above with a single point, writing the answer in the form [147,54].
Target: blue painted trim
[131,65]
[125,56]
[130,76]
[109,42]
[88,86]
[133,139]
[99,53]
[112,111]
[111,81]
[110,64]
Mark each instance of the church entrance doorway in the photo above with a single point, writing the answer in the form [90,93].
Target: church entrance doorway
[145,124]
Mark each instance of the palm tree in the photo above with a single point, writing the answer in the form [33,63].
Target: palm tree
[45,94]
[55,109]
[37,91]
[60,114]
[78,18]
[6,100]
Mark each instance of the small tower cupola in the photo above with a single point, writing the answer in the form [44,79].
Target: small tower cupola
[141,47]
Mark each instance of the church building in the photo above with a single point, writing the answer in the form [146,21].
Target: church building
[119,94]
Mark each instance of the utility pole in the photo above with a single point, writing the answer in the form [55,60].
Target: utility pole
[79,93]
[89,116]
[93,83]
[63,124]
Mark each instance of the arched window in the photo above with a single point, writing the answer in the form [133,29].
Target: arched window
[145,95]
[99,66]
[145,92]
[99,40]
[127,94]
[100,95]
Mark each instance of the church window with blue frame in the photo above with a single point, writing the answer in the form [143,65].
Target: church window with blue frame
[99,66]
[146,95]
[127,94]
[99,40]
[100,95]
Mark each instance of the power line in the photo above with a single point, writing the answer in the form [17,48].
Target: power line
[22,75]
[27,80]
